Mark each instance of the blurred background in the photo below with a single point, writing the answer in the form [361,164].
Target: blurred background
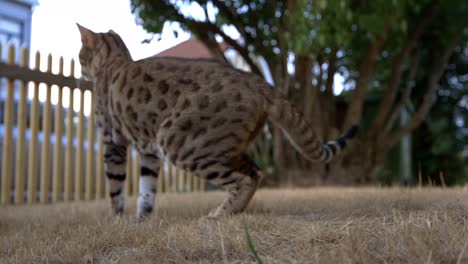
[397,68]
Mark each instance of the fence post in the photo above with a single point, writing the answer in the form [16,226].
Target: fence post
[128,173]
[79,151]
[46,129]
[33,146]
[168,178]
[160,183]
[90,153]
[69,150]
[136,173]
[100,169]
[8,133]
[20,167]
[57,164]
[202,184]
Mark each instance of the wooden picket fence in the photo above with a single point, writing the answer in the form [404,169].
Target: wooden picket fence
[46,166]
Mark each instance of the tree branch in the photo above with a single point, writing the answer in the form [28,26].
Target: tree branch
[234,19]
[203,28]
[397,70]
[354,113]
[331,73]
[434,77]
[405,98]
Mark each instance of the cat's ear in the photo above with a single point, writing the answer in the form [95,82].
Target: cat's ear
[88,37]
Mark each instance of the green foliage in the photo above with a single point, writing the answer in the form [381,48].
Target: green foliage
[278,30]
[438,144]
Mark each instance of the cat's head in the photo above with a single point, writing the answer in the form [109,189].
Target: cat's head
[97,48]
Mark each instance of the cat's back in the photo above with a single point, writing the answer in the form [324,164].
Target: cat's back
[197,69]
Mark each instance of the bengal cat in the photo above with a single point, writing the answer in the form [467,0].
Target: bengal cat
[199,114]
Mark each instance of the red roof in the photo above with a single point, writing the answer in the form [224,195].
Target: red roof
[192,48]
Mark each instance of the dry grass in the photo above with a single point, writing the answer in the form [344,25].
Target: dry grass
[323,225]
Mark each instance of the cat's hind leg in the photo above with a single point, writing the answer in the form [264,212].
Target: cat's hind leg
[149,170]
[115,158]
[240,180]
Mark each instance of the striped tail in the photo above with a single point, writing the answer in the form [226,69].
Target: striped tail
[300,134]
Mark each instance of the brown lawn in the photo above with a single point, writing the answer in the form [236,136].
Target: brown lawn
[322,225]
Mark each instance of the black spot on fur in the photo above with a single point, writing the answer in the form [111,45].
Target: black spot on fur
[212,175]
[131,113]
[114,176]
[118,107]
[167,124]
[226,151]
[207,164]
[216,87]
[195,87]
[163,86]
[242,108]
[187,153]
[229,182]
[185,104]
[198,158]
[204,102]
[130,93]
[238,97]
[153,117]
[185,81]
[116,193]
[144,96]
[115,77]
[170,140]
[135,72]
[159,66]
[145,171]
[219,122]
[222,105]
[199,132]
[193,166]
[162,105]
[124,82]
[147,78]
[180,143]
[173,157]
[186,125]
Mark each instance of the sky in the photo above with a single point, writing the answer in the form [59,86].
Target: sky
[54,27]
[54,31]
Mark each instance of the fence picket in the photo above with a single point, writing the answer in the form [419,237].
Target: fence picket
[20,167]
[46,131]
[100,169]
[69,148]
[160,183]
[57,163]
[202,185]
[128,173]
[90,183]
[33,143]
[79,151]
[189,181]
[8,133]
[196,183]
[135,173]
